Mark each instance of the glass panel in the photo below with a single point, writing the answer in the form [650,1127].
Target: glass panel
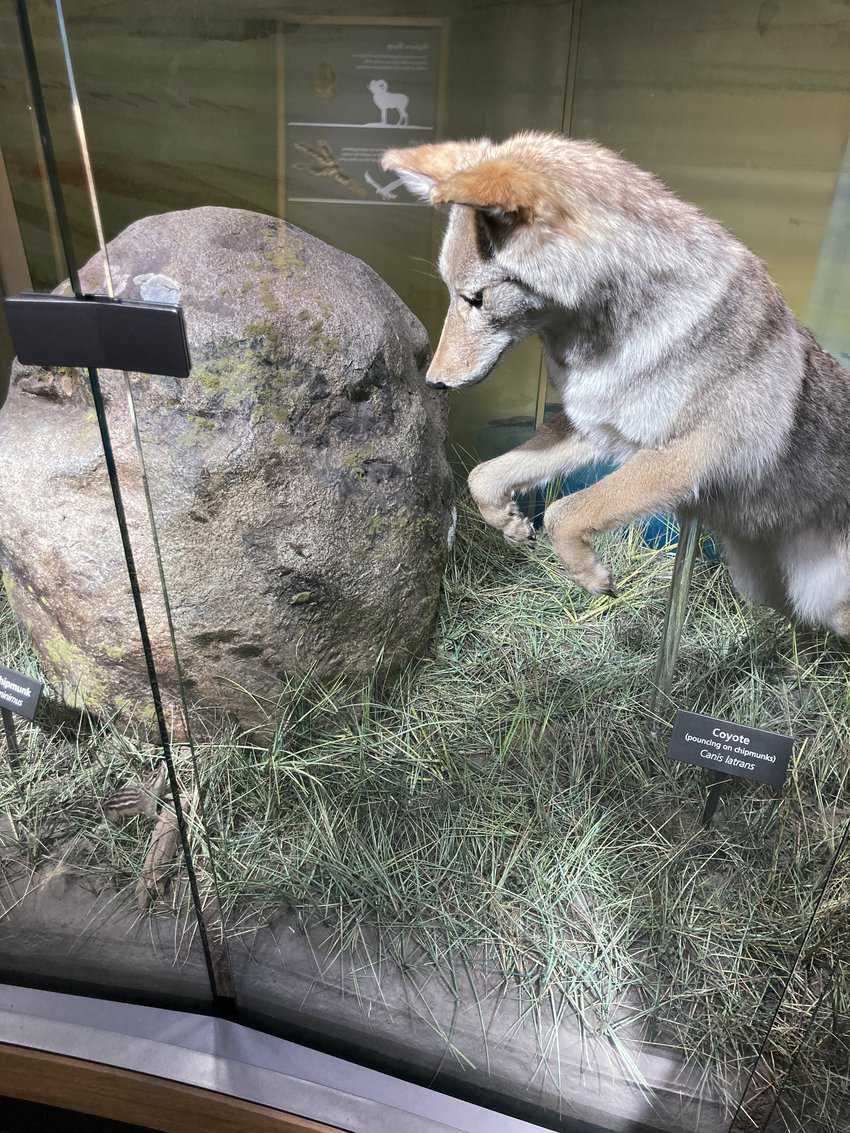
[92,895]
[229,75]
[803,1080]
[815,1093]
[460,854]
[748,117]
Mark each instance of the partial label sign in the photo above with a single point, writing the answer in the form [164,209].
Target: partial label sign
[731,749]
[352,92]
[18,693]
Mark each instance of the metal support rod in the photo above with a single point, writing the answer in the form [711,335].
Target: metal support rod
[11,739]
[677,609]
[221,960]
[112,472]
[51,167]
[718,787]
[150,665]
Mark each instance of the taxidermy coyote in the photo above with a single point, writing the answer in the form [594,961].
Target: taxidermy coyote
[674,355]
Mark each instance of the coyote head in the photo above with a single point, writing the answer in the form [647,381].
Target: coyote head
[506,211]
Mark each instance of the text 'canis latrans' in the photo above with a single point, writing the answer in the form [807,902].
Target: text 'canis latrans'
[673,352]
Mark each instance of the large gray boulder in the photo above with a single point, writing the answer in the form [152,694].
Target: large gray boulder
[298,476]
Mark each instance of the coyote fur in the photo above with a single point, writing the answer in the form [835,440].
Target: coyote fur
[672,350]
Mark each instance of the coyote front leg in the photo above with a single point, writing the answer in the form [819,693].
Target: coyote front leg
[652,480]
[554,450]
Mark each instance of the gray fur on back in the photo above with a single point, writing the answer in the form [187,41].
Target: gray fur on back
[665,315]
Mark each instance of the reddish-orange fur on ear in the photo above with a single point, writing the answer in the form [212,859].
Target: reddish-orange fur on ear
[437,161]
[504,184]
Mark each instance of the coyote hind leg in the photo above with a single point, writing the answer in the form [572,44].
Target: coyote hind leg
[554,450]
[756,572]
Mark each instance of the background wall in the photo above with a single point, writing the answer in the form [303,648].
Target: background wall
[742,106]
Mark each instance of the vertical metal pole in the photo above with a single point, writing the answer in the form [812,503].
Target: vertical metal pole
[50,165]
[112,472]
[11,739]
[674,620]
[221,957]
[719,784]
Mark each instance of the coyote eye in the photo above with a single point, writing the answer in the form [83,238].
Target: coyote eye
[475,300]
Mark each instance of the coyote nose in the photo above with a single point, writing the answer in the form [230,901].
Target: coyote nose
[436,385]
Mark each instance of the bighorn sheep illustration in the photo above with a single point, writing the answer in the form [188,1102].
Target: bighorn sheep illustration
[385,100]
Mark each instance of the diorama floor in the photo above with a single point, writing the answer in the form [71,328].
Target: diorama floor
[497,822]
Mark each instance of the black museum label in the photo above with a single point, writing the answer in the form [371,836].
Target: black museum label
[731,749]
[18,693]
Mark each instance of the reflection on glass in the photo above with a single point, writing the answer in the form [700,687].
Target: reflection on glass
[461,853]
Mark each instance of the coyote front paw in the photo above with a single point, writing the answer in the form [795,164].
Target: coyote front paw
[593,577]
[517,528]
[576,552]
[498,508]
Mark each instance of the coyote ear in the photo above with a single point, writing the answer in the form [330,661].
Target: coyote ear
[505,191]
[422,168]
[419,184]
